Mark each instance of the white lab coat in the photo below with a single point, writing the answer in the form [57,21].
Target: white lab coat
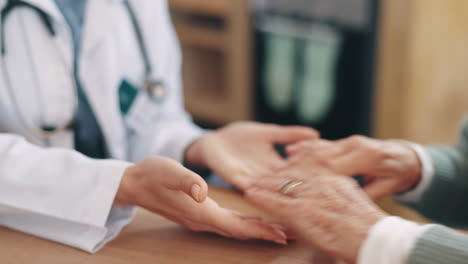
[57,193]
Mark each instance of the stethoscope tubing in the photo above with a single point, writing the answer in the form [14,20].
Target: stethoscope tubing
[43,132]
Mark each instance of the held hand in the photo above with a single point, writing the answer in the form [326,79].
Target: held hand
[331,213]
[165,187]
[242,151]
[388,166]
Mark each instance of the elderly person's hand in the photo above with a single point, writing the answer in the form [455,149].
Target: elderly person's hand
[331,213]
[165,187]
[242,151]
[388,166]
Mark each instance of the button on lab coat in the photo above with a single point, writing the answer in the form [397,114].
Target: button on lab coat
[55,192]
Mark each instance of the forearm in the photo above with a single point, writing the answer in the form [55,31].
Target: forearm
[58,194]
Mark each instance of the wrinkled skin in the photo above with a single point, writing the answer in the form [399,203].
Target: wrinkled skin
[329,212]
[389,167]
[244,151]
[165,187]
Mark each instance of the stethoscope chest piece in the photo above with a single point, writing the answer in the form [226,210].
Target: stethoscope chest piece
[156,90]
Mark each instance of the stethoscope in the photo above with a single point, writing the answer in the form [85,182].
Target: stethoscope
[155,89]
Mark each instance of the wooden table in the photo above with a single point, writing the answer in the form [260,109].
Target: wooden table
[153,239]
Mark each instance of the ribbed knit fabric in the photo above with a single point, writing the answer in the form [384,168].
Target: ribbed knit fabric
[440,245]
[446,201]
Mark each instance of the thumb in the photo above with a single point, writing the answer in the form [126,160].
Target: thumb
[270,201]
[293,134]
[193,185]
[293,149]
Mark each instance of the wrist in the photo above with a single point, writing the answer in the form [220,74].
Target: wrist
[363,230]
[414,169]
[126,193]
[410,166]
[426,176]
[194,154]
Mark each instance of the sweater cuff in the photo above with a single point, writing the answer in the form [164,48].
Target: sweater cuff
[390,241]
[440,245]
[428,172]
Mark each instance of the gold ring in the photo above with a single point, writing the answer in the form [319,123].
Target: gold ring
[289,186]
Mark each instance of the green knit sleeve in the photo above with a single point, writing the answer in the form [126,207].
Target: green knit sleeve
[440,245]
[446,200]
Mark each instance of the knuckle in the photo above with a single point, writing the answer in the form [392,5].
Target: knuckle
[326,163]
[373,147]
[358,139]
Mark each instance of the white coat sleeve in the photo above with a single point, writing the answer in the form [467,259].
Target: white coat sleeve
[174,130]
[59,194]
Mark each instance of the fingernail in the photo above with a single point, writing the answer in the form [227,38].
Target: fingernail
[279,234]
[281,242]
[291,148]
[196,192]
[278,226]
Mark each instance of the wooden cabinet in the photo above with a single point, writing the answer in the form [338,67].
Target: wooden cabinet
[422,87]
[216,39]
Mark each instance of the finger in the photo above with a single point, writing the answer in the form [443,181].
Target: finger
[347,164]
[290,234]
[272,183]
[234,224]
[190,183]
[270,201]
[240,226]
[309,146]
[292,150]
[241,182]
[379,189]
[292,134]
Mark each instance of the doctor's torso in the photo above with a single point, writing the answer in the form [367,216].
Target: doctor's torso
[36,77]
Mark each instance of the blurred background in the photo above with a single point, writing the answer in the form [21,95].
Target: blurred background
[387,69]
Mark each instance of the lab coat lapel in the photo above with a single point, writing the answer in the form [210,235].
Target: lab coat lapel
[100,16]
[99,74]
[47,6]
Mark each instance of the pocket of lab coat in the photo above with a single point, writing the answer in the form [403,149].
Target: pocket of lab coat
[144,111]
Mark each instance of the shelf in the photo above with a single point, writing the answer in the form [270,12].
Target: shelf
[219,8]
[216,42]
[209,109]
[201,37]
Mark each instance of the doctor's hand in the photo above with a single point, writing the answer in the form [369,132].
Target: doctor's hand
[388,167]
[242,151]
[331,213]
[165,187]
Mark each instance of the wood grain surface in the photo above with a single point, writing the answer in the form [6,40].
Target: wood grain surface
[152,239]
